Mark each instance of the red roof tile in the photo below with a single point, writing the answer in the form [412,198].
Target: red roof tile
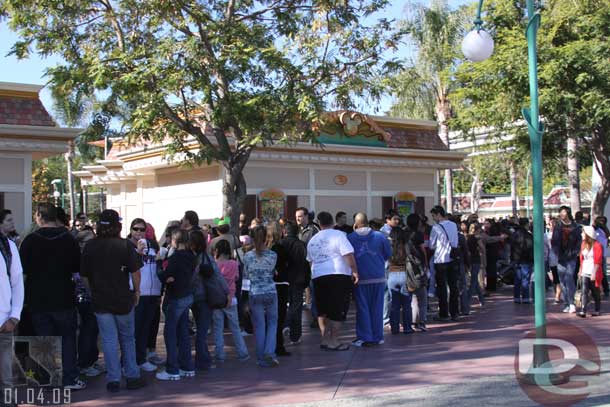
[422,139]
[24,111]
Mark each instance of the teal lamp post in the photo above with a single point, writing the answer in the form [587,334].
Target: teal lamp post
[478,46]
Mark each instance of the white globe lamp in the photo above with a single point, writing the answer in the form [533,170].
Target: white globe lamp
[478,45]
[56,194]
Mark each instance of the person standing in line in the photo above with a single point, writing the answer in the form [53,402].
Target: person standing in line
[334,272]
[397,283]
[476,247]
[601,235]
[522,256]
[341,223]
[229,269]
[282,285]
[150,291]
[108,265]
[178,298]
[49,286]
[260,271]
[306,231]
[298,276]
[414,236]
[11,299]
[444,238]
[371,250]
[553,260]
[190,221]
[566,242]
[590,273]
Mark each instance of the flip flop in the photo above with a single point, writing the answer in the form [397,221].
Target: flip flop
[340,348]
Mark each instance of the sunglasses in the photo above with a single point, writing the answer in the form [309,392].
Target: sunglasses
[139,229]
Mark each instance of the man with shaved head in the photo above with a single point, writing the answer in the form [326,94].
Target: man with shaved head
[371,250]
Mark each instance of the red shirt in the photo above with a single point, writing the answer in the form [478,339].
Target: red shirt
[230,271]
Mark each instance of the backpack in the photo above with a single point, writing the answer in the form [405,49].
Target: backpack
[414,269]
[214,287]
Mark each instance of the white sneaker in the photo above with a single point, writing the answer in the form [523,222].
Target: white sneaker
[358,343]
[166,376]
[99,366]
[566,309]
[187,373]
[77,385]
[90,371]
[148,367]
[572,309]
[381,342]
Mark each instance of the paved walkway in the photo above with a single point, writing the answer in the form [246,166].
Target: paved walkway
[452,364]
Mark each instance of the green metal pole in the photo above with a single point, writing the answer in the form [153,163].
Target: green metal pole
[535,130]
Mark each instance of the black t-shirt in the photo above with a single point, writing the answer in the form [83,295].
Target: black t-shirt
[108,263]
[417,239]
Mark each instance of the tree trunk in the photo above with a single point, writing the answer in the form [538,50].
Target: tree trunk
[443,113]
[234,187]
[601,160]
[573,176]
[513,187]
[475,194]
[69,159]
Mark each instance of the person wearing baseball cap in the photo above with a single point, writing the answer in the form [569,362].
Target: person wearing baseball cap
[111,267]
[590,274]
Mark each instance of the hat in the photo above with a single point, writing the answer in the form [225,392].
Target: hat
[110,217]
[589,231]
[222,221]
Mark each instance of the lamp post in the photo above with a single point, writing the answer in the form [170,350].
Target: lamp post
[58,190]
[478,46]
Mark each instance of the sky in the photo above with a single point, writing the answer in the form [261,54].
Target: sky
[31,71]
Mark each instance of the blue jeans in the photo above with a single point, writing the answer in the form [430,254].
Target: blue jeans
[145,313]
[475,287]
[432,282]
[203,320]
[115,330]
[264,319]
[177,339]
[60,323]
[523,273]
[88,352]
[566,273]
[219,325]
[400,299]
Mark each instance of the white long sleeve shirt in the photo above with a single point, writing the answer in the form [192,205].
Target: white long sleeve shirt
[439,242]
[11,292]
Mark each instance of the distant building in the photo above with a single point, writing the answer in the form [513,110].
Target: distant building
[367,163]
[27,132]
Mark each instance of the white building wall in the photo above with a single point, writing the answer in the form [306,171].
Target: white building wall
[16,187]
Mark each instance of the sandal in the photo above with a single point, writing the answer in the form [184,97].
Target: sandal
[340,348]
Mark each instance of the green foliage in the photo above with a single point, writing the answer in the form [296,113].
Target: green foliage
[423,87]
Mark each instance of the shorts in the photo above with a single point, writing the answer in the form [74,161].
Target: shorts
[333,296]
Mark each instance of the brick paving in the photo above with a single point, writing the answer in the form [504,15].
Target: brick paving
[449,356]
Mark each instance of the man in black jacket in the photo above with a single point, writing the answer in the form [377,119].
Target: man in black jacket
[565,243]
[50,257]
[297,275]
[522,256]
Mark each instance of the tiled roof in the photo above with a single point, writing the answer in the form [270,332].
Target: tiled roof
[24,111]
[423,139]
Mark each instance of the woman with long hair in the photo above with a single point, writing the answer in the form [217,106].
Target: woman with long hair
[178,298]
[259,267]
[590,274]
[274,234]
[397,283]
[202,312]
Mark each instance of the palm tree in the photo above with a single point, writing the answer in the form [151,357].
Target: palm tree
[422,90]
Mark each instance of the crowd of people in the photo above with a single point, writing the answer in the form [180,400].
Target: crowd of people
[88,285]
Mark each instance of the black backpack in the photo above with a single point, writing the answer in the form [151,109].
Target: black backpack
[215,287]
[414,269]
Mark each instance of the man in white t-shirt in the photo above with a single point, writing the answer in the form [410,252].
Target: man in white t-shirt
[444,237]
[333,271]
